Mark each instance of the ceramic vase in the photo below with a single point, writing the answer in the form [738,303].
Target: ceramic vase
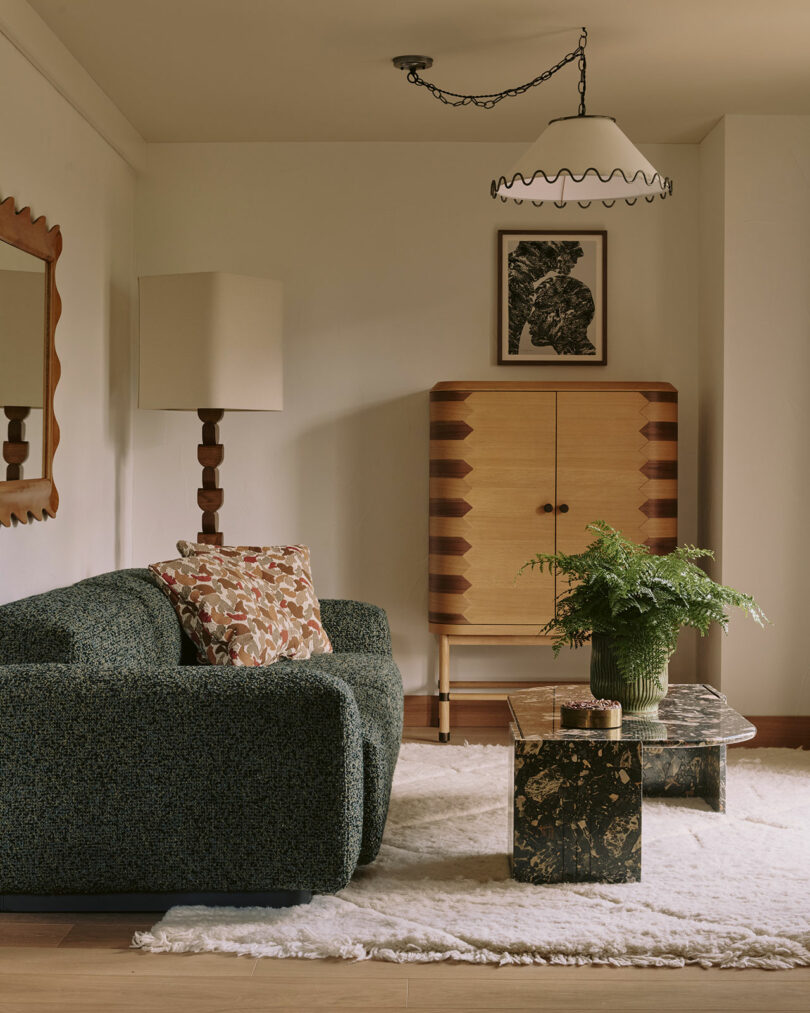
[640,697]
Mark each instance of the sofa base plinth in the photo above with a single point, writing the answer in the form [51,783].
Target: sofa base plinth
[151,901]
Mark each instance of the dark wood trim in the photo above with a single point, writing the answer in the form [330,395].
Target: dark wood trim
[448,545]
[448,583]
[661,545]
[660,395]
[447,619]
[34,499]
[421,710]
[660,469]
[449,429]
[660,508]
[782,730]
[660,432]
[449,395]
[449,469]
[449,507]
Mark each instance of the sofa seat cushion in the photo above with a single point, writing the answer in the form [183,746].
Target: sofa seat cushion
[376,684]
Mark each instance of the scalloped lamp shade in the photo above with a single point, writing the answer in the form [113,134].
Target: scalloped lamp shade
[582,158]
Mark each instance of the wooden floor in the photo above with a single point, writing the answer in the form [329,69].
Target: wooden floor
[82,964]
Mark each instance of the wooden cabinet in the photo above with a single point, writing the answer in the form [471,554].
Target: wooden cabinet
[518,468]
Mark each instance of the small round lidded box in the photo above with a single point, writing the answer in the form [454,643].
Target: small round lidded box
[591,714]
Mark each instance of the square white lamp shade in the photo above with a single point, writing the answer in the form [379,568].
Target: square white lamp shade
[210,340]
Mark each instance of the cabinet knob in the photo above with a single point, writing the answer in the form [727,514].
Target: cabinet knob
[547,508]
[563,508]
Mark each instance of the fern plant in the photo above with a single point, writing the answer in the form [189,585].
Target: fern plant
[637,599]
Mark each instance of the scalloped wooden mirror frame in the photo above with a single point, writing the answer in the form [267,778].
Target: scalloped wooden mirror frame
[36,498]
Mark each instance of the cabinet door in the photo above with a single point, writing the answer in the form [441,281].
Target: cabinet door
[502,450]
[616,462]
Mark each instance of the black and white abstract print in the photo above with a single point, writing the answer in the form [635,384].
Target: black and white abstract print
[552,297]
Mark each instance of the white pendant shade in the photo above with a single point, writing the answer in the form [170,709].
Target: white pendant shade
[582,158]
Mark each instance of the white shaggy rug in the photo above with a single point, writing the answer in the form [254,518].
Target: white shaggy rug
[724,890]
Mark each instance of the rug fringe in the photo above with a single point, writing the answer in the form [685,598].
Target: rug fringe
[161,943]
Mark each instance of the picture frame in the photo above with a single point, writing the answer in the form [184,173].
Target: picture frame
[552,297]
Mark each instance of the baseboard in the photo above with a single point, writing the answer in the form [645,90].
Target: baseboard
[423,711]
[785,730]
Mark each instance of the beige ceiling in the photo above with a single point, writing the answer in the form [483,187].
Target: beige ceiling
[255,70]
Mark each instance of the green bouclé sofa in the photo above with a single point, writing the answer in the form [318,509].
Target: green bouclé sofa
[132,777]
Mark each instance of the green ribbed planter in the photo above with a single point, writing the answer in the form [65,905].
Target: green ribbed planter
[640,697]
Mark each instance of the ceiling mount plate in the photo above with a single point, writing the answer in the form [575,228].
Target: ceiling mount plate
[412,62]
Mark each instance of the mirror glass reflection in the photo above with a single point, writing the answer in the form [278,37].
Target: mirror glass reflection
[22,362]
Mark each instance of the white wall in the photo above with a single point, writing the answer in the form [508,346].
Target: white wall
[388,256]
[766,407]
[54,161]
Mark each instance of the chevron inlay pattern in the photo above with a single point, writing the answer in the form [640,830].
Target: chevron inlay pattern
[660,430]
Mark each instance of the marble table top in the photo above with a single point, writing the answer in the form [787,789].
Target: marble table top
[689,715]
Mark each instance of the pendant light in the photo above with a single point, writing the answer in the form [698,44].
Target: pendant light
[577,159]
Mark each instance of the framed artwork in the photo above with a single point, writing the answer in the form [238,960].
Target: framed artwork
[552,298]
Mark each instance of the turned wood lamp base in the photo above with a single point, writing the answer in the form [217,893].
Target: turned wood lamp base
[15,448]
[210,454]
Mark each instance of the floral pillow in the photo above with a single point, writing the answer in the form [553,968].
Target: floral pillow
[287,569]
[232,617]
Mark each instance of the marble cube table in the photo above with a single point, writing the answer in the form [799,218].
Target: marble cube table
[576,806]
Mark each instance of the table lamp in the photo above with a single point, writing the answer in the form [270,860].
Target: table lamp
[210,342]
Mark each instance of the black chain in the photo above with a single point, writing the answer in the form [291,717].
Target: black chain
[583,41]
[451,98]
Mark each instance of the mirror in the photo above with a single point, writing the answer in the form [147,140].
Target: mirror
[22,361]
[29,368]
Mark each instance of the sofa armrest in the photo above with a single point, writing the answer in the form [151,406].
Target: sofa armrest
[177,779]
[355,626]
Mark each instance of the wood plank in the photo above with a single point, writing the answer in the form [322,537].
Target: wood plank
[104,961]
[33,933]
[79,993]
[787,992]
[109,935]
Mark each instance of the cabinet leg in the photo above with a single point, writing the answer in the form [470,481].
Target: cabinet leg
[444,688]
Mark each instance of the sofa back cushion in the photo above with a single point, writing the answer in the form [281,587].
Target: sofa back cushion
[117,618]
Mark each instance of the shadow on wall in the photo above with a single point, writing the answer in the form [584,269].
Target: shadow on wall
[363,494]
[119,409]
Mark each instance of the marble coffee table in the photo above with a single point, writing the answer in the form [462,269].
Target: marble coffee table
[576,812]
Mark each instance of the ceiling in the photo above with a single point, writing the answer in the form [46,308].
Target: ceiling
[306,70]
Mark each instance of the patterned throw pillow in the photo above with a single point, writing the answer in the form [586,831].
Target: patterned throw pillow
[287,569]
[232,616]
